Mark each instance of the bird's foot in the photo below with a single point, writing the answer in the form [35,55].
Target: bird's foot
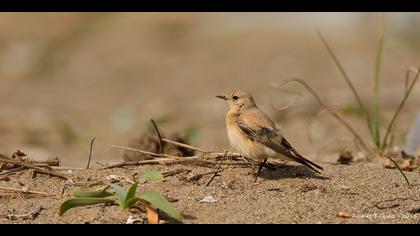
[261,165]
[255,177]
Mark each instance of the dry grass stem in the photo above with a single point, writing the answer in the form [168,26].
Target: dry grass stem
[184,145]
[332,112]
[25,191]
[205,158]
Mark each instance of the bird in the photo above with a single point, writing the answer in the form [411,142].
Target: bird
[255,135]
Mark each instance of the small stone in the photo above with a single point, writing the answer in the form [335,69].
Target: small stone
[133,220]
[208,199]
[343,214]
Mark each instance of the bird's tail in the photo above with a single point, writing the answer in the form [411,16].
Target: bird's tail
[299,158]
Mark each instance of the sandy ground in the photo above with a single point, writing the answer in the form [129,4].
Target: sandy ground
[288,194]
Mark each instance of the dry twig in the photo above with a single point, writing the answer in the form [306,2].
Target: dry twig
[220,168]
[25,191]
[28,216]
[199,176]
[66,168]
[381,204]
[184,145]
[9,171]
[175,172]
[54,162]
[161,151]
[198,159]
[90,152]
[6,159]
[332,112]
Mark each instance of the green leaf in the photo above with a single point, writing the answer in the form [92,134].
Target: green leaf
[121,194]
[93,194]
[159,202]
[375,126]
[394,119]
[375,116]
[131,192]
[75,202]
[130,202]
[353,110]
[151,176]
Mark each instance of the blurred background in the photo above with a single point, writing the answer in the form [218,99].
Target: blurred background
[68,77]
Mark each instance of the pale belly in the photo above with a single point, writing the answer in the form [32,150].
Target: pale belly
[249,148]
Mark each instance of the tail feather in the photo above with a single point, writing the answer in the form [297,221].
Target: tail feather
[299,158]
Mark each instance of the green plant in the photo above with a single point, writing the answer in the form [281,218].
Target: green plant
[67,133]
[376,107]
[151,176]
[124,198]
[373,116]
[157,201]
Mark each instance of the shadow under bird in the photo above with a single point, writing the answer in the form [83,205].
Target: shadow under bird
[255,135]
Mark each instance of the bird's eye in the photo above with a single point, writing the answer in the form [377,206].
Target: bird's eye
[235,97]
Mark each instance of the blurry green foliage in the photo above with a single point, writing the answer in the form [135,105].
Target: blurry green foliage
[67,133]
[353,111]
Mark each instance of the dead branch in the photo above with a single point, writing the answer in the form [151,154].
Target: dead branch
[145,152]
[90,152]
[66,168]
[199,176]
[6,159]
[203,158]
[25,191]
[184,145]
[161,151]
[381,204]
[28,216]
[9,171]
[175,172]
[6,178]
[54,162]
[220,168]
[185,160]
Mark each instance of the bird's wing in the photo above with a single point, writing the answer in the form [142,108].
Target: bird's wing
[263,130]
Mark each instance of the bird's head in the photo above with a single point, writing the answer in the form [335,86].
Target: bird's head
[239,100]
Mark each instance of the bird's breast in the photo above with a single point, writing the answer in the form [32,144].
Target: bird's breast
[241,143]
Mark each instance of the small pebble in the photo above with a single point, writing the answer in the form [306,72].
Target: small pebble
[208,199]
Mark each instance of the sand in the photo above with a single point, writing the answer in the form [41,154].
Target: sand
[359,193]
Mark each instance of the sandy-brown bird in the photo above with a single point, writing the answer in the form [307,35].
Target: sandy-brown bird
[255,135]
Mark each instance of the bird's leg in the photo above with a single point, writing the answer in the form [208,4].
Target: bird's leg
[259,169]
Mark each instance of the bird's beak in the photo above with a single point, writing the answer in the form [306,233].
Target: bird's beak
[222,97]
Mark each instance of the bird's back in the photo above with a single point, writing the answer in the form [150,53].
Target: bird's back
[256,119]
